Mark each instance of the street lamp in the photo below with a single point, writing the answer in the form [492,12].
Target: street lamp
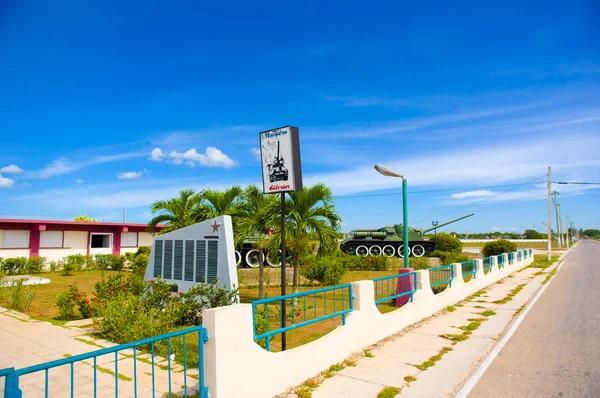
[391,173]
[435,224]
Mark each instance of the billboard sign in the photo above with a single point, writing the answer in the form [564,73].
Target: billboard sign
[280,159]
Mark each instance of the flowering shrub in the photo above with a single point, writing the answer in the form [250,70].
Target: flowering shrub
[67,300]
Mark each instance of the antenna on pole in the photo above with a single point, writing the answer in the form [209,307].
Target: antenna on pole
[124,214]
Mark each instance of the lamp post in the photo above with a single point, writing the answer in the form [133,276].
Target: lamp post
[391,173]
[435,224]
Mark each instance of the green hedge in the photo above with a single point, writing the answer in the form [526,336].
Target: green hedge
[498,247]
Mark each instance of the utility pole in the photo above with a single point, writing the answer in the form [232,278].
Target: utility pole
[549,215]
[124,214]
[558,236]
[567,224]
[560,225]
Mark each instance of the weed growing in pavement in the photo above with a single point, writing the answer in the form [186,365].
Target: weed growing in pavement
[510,295]
[368,354]
[521,308]
[479,306]
[488,313]
[550,275]
[431,361]
[388,392]
[409,379]
[450,308]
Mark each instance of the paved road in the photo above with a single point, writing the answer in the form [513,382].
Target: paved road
[555,352]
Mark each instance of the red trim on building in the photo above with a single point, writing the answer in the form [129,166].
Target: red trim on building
[117,244]
[34,243]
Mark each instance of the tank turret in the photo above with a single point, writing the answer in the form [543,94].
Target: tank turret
[388,240]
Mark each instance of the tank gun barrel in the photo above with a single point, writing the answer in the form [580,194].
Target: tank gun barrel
[448,222]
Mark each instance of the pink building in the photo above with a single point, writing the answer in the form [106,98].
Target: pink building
[57,239]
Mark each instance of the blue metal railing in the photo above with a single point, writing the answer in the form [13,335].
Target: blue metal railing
[500,260]
[469,268]
[511,258]
[441,275]
[487,265]
[304,312]
[386,287]
[12,376]
[520,255]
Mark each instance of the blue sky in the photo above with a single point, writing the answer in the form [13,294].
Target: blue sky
[471,102]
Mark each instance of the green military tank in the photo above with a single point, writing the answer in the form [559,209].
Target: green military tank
[388,241]
[248,255]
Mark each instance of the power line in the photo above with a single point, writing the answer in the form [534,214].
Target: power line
[432,191]
[575,183]
[483,200]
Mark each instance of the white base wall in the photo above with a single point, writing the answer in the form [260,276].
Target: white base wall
[235,366]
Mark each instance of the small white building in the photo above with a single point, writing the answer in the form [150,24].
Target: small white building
[57,239]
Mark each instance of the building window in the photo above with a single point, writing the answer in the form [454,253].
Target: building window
[51,239]
[129,239]
[100,241]
[15,240]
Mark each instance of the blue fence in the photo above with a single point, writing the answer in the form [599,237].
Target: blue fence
[150,346]
[487,265]
[441,275]
[386,287]
[500,260]
[520,255]
[306,308]
[469,268]
[511,258]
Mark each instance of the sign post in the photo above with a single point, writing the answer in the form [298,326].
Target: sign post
[281,173]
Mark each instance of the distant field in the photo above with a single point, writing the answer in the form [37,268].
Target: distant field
[521,245]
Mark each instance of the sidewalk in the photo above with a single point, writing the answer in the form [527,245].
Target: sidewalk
[405,360]
[25,342]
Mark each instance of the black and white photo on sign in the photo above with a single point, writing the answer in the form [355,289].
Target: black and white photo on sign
[276,163]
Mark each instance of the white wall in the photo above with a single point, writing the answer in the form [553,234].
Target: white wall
[8,253]
[235,366]
[510,240]
[145,239]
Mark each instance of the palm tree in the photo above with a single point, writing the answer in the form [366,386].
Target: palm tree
[309,213]
[176,212]
[254,219]
[215,203]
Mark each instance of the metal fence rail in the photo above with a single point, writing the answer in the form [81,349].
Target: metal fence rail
[150,346]
[307,308]
[500,260]
[441,275]
[520,255]
[487,265]
[386,287]
[511,258]
[469,268]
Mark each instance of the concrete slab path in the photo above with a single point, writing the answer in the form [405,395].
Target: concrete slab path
[25,342]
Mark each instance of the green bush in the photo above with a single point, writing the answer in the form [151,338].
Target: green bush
[14,266]
[369,263]
[80,262]
[35,265]
[67,268]
[67,300]
[447,243]
[139,263]
[143,250]
[327,270]
[498,247]
[418,263]
[449,257]
[21,295]
[103,261]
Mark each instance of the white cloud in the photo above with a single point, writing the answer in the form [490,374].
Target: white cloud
[157,155]
[6,182]
[79,181]
[57,167]
[11,169]
[213,158]
[256,152]
[130,175]
[482,165]
[472,194]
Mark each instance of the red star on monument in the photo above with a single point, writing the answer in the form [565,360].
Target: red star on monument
[216,227]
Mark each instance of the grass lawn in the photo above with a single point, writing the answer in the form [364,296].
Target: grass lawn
[520,245]
[43,306]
